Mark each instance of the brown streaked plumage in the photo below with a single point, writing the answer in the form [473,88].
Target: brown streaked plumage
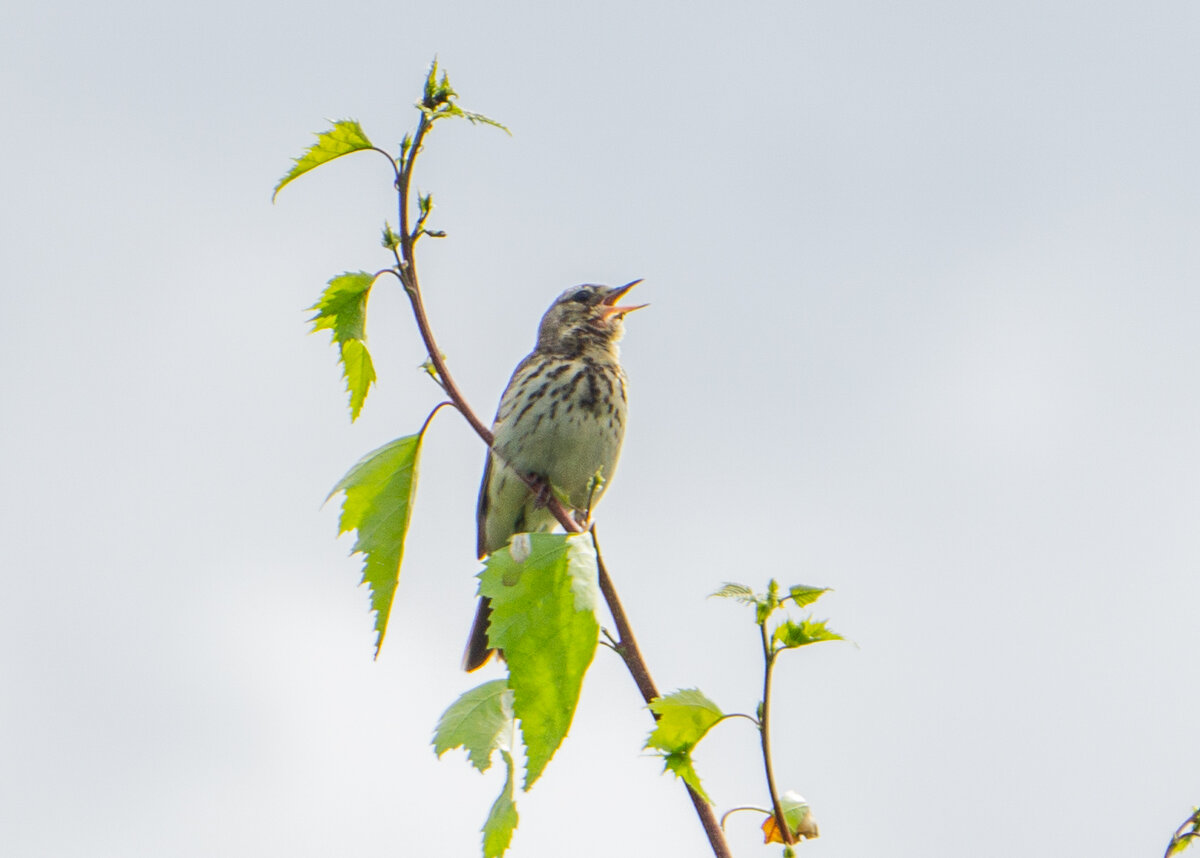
[561,419]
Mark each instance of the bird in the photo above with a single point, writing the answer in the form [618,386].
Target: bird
[561,420]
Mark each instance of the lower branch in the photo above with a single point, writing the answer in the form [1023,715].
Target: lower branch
[627,648]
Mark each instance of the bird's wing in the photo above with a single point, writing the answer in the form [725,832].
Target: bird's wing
[481,510]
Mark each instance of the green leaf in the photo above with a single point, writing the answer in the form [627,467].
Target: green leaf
[478,721]
[359,371]
[792,634]
[683,719]
[344,137]
[377,503]
[502,818]
[544,594]
[680,763]
[737,592]
[342,310]
[343,306]
[803,596]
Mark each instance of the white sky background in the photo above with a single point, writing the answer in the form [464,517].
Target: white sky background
[925,329]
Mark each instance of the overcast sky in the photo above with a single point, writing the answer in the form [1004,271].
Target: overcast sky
[925,328]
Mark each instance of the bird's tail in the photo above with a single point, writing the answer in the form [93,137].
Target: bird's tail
[478,651]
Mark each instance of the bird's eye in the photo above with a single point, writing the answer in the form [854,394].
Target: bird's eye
[582,296]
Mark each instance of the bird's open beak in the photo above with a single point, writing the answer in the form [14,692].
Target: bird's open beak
[612,308]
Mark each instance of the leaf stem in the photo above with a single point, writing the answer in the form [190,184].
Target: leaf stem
[733,810]
[390,160]
[764,728]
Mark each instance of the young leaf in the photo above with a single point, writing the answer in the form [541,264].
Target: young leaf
[544,618]
[803,596]
[478,721]
[793,634]
[438,102]
[342,310]
[377,503]
[344,137]
[433,92]
[680,763]
[502,818]
[359,371]
[683,719]
[737,592]
[343,306]
[480,119]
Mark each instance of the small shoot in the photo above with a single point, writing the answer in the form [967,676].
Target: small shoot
[789,820]
[1185,834]
[439,101]
[390,239]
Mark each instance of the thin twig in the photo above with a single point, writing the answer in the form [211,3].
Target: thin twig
[407,264]
[1181,835]
[764,729]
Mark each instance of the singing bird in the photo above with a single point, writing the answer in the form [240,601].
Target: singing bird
[562,420]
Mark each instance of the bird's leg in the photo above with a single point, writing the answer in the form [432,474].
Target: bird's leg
[541,491]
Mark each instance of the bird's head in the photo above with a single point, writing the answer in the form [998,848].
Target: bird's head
[585,318]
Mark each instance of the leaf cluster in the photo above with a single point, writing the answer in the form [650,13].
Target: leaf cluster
[343,305]
[440,101]
[788,633]
[544,595]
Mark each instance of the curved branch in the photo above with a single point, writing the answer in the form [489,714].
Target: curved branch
[628,649]
[407,272]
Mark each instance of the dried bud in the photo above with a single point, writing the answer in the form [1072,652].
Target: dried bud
[799,819]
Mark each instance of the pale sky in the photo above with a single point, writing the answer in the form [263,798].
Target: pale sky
[925,328]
